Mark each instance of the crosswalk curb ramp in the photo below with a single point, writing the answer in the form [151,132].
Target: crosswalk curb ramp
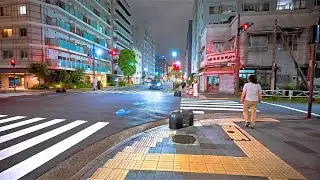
[17,128]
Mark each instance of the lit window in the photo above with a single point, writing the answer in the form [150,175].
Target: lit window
[23,10]
[7,33]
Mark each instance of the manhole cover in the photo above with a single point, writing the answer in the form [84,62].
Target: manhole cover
[230,131]
[183,139]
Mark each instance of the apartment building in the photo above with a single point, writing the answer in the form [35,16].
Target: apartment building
[214,34]
[188,53]
[64,34]
[143,41]
[122,30]
[161,65]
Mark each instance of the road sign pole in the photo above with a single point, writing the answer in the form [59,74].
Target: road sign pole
[311,77]
[14,78]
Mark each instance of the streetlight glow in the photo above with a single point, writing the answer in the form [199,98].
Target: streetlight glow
[99,52]
[145,69]
[178,62]
[174,54]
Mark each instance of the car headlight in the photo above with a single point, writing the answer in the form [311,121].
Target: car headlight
[159,84]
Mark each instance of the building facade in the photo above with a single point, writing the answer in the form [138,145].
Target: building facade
[65,35]
[137,76]
[122,30]
[161,65]
[214,41]
[143,41]
[188,53]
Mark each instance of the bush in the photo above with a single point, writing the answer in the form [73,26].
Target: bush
[122,83]
[41,86]
[111,83]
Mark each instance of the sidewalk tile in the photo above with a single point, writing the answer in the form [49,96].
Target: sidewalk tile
[143,175]
[164,175]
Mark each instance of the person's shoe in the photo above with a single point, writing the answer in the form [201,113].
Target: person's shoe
[247,124]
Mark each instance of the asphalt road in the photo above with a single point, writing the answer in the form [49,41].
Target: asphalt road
[54,127]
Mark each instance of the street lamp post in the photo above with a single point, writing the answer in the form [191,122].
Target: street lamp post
[13,64]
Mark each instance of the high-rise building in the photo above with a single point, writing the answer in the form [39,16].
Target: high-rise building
[64,34]
[188,53]
[161,65]
[137,76]
[143,41]
[122,30]
[215,25]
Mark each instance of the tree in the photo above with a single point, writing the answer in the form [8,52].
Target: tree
[40,70]
[64,77]
[77,76]
[127,62]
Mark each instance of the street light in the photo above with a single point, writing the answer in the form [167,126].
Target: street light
[145,69]
[174,54]
[99,52]
[13,64]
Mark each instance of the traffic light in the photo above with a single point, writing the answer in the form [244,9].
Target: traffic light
[245,26]
[12,62]
[176,67]
[113,52]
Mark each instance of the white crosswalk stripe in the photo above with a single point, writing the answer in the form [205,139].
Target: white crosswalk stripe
[16,129]
[211,106]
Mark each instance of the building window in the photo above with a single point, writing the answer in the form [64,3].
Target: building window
[6,33]
[23,54]
[284,5]
[23,32]
[23,10]
[258,41]
[258,7]
[300,4]
[215,10]
[4,11]
[317,2]
[217,47]
[7,54]
[291,39]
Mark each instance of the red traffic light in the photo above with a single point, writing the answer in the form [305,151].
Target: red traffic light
[176,67]
[13,62]
[245,26]
[113,52]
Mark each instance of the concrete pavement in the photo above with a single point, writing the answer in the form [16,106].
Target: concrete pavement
[218,148]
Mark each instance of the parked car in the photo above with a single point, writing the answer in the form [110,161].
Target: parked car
[154,84]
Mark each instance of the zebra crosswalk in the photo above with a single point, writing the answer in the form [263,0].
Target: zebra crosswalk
[210,106]
[135,91]
[19,134]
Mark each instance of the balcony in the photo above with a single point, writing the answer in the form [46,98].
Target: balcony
[224,58]
[122,22]
[122,42]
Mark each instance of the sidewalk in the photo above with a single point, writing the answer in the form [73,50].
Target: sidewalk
[218,149]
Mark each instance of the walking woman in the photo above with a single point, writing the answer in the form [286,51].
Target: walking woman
[195,89]
[251,96]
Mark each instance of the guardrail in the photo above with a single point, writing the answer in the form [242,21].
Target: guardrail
[289,93]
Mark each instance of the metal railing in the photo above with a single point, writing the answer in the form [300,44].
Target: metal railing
[289,93]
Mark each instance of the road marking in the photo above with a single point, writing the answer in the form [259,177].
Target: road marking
[11,126]
[3,115]
[12,150]
[31,129]
[195,102]
[213,109]
[204,105]
[30,164]
[52,95]
[290,108]
[198,112]
[11,119]
[23,99]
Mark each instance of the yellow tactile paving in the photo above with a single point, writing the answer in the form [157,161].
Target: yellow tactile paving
[260,161]
[234,133]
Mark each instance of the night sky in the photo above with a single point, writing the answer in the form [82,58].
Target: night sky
[167,21]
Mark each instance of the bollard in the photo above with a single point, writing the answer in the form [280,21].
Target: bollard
[177,93]
[175,120]
[188,117]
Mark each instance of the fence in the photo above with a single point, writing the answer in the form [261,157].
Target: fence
[289,93]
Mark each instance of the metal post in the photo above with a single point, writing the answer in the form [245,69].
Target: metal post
[14,78]
[238,63]
[274,51]
[93,68]
[311,76]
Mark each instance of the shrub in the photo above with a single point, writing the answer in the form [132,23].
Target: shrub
[122,83]
[41,86]
[111,83]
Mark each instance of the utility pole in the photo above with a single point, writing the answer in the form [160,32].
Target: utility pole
[93,68]
[311,77]
[274,51]
[238,63]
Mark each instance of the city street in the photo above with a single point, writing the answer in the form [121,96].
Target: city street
[51,128]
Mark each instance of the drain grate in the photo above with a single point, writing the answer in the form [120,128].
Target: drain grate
[235,134]
[183,139]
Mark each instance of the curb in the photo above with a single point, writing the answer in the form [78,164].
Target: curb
[83,161]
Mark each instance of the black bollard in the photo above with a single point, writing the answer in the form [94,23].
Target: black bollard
[175,120]
[188,117]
